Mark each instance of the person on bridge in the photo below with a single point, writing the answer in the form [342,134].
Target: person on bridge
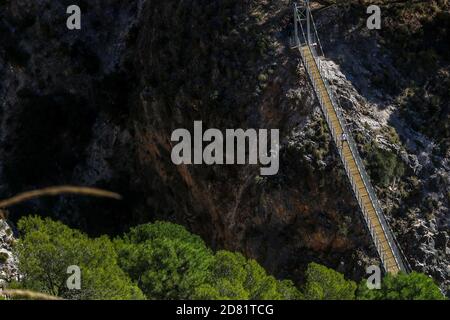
[343,138]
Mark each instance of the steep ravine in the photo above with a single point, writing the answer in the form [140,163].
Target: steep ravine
[98,106]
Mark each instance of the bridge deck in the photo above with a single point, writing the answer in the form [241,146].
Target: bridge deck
[379,235]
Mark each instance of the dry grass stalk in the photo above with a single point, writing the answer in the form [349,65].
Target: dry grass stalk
[55,191]
[27,295]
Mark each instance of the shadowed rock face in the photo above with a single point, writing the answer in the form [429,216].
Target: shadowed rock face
[64,106]
[97,107]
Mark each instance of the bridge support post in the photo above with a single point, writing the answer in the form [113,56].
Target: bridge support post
[308,22]
[296,39]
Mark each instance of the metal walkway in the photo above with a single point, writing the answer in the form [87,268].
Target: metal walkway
[383,238]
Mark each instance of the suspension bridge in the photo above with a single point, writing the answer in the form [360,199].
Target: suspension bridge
[307,41]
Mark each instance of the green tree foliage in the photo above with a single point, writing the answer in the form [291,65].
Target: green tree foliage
[323,283]
[165,259]
[383,165]
[47,248]
[168,262]
[413,286]
[232,276]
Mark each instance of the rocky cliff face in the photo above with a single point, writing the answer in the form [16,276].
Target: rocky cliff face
[98,106]
[8,261]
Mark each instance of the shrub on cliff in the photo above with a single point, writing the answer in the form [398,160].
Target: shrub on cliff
[3,257]
[47,248]
[413,286]
[383,165]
